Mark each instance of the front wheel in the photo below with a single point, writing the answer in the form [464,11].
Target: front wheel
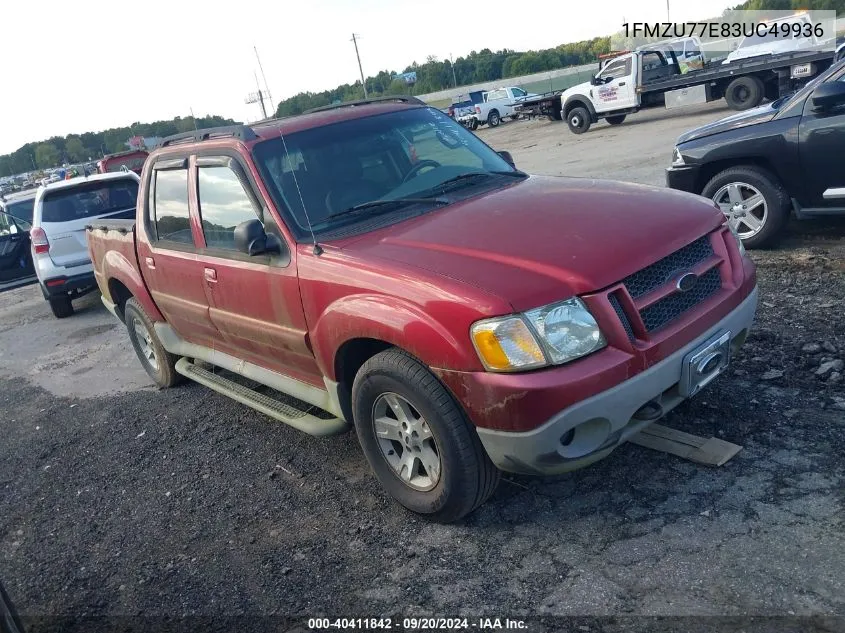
[418,441]
[616,120]
[753,201]
[159,364]
[578,120]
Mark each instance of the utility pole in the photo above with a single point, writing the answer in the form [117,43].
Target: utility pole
[668,19]
[193,118]
[360,68]
[452,64]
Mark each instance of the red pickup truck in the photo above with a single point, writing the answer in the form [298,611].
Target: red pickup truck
[376,265]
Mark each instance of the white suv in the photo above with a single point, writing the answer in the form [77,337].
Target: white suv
[59,242]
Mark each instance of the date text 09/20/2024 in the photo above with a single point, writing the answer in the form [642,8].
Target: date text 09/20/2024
[417,624]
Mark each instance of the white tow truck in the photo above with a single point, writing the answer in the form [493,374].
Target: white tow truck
[630,81]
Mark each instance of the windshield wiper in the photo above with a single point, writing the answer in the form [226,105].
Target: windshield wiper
[388,204]
[470,176]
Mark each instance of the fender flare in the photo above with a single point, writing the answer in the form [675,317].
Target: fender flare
[583,101]
[115,266]
[394,321]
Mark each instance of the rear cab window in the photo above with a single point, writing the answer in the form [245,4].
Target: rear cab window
[115,198]
[169,212]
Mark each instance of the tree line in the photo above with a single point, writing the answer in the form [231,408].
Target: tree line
[486,65]
[78,148]
[435,74]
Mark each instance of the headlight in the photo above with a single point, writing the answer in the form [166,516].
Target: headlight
[736,237]
[677,159]
[506,344]
[568,330]
[559,333]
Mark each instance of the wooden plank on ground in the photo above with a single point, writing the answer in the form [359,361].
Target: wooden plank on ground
[710,452]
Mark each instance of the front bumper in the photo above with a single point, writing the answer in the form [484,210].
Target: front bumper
[684,178]
[589,430]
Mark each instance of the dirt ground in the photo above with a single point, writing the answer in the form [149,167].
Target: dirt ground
[120,500]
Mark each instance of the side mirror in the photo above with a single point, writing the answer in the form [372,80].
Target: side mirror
[508,158]
[251,239]
[595,81]
[828,95]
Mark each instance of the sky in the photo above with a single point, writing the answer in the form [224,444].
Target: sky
[73,67]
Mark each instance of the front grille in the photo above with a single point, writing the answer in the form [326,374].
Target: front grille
[659,273]
[626,323]
[669,308]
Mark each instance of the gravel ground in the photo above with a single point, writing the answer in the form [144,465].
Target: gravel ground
[118,500]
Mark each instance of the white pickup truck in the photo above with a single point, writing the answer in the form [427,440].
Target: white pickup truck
[499,104]
[641,79]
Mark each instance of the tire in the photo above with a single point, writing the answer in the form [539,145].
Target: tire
[515,117]
[493,118]
[465,477]
[747,180]
[578,120]
[162,367]
[616,120]
[474,125]
[557,115]
[61,306]
[744,93]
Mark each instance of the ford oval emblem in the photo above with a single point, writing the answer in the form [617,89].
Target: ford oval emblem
[686,282]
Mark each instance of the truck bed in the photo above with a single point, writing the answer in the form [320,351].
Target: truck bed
[105,236]
[718,71]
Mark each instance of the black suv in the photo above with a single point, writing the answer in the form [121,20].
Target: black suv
[762,164]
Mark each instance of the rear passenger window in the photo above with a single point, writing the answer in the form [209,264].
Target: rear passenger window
[223,205]
[170,205]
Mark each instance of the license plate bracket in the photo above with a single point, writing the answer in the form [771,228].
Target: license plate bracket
[704,364]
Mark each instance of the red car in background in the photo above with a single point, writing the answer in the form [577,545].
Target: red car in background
[133,160]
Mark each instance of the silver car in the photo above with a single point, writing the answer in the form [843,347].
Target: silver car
[59,242]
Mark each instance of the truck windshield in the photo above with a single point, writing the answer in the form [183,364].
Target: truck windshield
[404,154]
[89,200]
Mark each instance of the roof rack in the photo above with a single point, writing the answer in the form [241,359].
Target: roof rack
[400,99]
[242,132]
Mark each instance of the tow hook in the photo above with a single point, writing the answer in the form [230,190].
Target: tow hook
[649,411]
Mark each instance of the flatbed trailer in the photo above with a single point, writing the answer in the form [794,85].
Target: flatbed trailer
[635,80]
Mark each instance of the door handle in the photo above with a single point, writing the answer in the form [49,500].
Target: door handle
[621,83]
[150,262]
[211,275]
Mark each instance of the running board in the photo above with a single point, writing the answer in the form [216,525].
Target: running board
[290,415]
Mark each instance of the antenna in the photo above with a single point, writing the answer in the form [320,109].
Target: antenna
[317,249]
[266,87]
[194,119]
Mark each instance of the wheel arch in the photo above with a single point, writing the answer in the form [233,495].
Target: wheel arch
[123,281]
[710,170]
[575,101]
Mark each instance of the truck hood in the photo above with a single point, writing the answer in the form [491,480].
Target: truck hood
[545,239]
[742,119]
[578,89]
